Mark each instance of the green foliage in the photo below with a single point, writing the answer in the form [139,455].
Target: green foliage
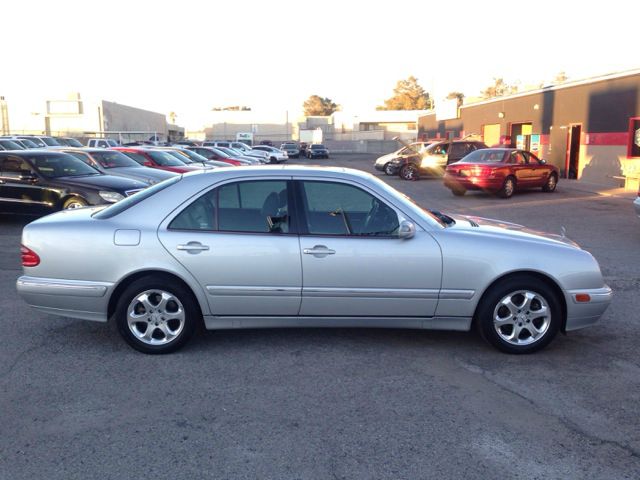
[499,89]
[456,95]
[408,95]
[318,106]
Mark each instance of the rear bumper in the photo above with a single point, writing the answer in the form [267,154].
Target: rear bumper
[69,298]
[473,183]
[584,314]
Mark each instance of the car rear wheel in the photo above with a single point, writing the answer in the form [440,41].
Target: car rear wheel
[520,314]
[458,192]
[157,315]
[508,187]
[552,183]
[74,202]
[409,172]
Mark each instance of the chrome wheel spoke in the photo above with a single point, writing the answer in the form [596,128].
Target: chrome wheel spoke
[161,312]
[521,309]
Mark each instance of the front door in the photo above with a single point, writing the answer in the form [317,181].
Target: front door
[238,241]
[353,262]
[20,188]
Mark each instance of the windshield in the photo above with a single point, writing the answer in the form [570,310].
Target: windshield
[165,159]
[183,158]
[61,165]
[229,151]
[317,147]
[190,156]
[486,156]
[36,141]
[28,143]
[113,159]
[119,207]
[10,145]
[51,142]
[72,142]
[220,153]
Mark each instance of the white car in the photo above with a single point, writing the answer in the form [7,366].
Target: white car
[275,155]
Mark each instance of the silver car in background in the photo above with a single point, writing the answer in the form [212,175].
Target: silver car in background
[281,246]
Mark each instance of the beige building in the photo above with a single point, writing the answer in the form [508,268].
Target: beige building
[74,116]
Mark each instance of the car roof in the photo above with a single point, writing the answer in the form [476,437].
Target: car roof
[34,152]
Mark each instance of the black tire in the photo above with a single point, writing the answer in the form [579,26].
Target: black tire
[74,202]
[273,160]
[409,172]
[508,187]
[493,305]
[388,169]
[551,183]
[458,192]
[156,319]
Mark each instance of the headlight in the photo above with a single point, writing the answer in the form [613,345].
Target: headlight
[111,197]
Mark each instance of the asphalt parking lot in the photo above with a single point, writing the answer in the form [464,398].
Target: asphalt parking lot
[77,403]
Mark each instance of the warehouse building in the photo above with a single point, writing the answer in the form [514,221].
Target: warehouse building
[589,129]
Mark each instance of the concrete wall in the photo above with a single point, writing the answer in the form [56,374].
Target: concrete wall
[116,117]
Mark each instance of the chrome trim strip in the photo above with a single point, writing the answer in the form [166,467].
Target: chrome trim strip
[21,200]
[253,291]
[54,286]
[451,294]
[598,295]
[422,293]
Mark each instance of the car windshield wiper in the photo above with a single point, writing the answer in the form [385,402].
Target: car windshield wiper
[446,219]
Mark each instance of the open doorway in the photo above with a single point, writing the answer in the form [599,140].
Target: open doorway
[521,135]
[572,162]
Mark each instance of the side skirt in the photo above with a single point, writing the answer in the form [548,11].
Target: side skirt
[427,323]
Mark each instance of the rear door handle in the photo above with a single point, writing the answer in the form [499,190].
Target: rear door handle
[193,247]
[318,251]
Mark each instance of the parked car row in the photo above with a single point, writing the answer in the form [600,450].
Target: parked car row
[471,165]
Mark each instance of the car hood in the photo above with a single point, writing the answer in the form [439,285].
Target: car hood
[143,174]
[507,229]
[102,182]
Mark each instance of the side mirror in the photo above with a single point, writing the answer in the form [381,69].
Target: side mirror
[406,230]
[543,162]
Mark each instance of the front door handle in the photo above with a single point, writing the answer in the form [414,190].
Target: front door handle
[318,251]
[193,247]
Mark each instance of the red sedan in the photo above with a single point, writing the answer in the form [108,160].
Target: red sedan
[501,171]
[157,159]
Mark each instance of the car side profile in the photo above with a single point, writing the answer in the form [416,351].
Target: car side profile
[44,181]
[501,171]
[262,247]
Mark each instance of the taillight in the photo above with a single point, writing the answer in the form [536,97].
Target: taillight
[29,257]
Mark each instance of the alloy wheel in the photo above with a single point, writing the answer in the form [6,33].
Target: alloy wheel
[522,317]
[156,317]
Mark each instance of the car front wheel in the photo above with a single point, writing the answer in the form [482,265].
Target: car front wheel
[388,169]
[520,314]
[157,315]
[409,172]
[551,184]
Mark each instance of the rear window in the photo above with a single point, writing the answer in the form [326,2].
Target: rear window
[128,202]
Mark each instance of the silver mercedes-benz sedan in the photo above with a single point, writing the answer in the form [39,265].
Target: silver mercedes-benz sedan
[303,247]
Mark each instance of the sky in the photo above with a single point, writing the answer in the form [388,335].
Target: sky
[189,56]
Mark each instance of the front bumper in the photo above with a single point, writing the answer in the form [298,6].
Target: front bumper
[584,314]
[68,298]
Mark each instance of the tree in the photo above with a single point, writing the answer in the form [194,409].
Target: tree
[318,106]
[456,95]
[499,89]
[408,95]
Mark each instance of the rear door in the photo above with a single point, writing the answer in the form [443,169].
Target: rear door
[353,262]
[238,240]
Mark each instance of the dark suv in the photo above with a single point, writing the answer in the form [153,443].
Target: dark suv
[435,158]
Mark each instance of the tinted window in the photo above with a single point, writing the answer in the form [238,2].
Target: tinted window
[72,142]
[36,141]
[61,165]
[14,165]
[457,150]
[10,145]
[485,156]
[165,159]
[113,158]
[517,158]
[137,157]
[340,209]
[50,141]
[252,207]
